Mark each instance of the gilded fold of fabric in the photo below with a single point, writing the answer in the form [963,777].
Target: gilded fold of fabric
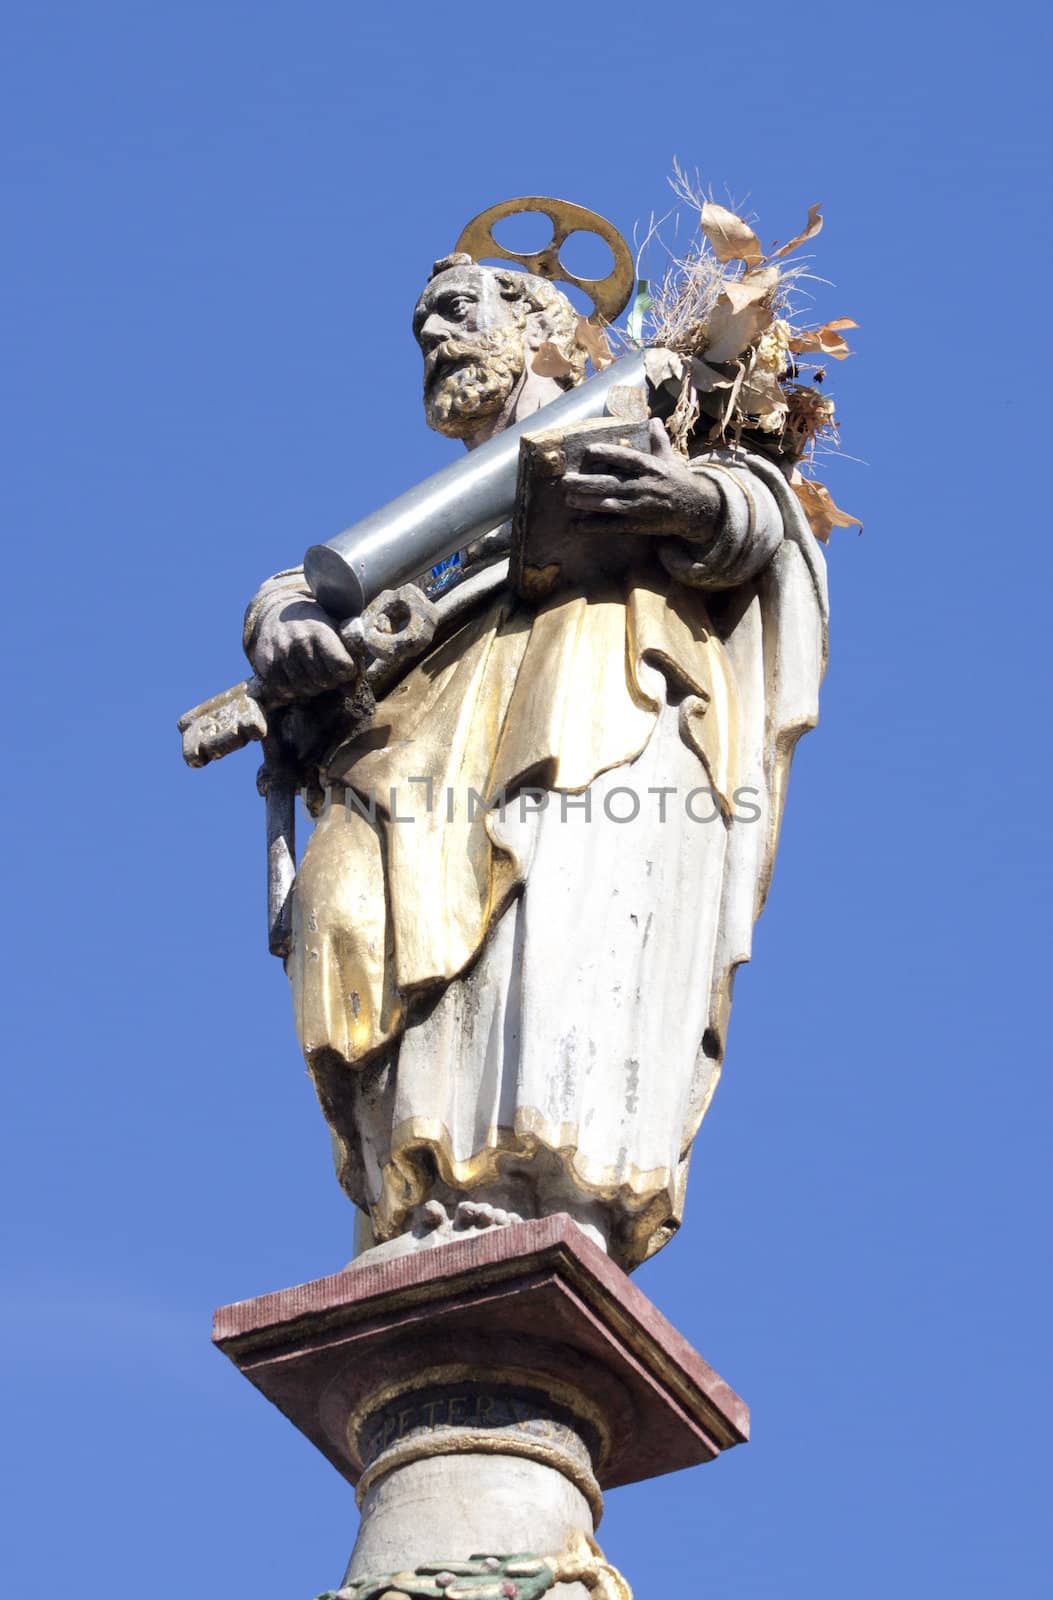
[404,875]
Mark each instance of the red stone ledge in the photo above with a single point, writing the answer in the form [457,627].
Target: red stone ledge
[313,1349]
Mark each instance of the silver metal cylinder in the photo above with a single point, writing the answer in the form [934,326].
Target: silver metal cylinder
[448,510]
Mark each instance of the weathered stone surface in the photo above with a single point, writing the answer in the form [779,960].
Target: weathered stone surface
[448,1507]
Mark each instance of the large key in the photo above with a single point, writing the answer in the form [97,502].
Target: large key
[398,624]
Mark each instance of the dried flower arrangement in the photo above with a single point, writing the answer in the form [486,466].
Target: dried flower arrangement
[749,370]
[742,366]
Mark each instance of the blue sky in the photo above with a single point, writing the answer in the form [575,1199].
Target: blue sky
[218,218]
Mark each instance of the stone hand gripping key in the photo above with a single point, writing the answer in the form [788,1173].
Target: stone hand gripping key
[399,624]
[391,631]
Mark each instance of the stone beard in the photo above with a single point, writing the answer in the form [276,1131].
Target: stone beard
[467,381]
[522,1009]
[476,329]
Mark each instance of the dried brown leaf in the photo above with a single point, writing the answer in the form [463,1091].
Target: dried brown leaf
[828,339]
[551,363]
[593,341]
[730,331]
[762,393]
[731,238]
[817,502]
[813,226]
[706,380]
[729,404]
[751,287]
[662,366]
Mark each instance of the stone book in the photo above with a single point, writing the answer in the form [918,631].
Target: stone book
[550,548]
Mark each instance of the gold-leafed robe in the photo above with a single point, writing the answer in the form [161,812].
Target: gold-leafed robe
[398,892]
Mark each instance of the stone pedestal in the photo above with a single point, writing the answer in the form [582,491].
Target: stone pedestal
[481,1395]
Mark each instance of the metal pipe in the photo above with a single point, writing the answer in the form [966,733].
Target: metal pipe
[448,510]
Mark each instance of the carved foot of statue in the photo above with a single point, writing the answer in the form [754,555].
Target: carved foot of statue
[433,1224]
[469,1214]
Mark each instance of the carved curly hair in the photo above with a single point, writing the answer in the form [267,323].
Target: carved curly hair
[528,294]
